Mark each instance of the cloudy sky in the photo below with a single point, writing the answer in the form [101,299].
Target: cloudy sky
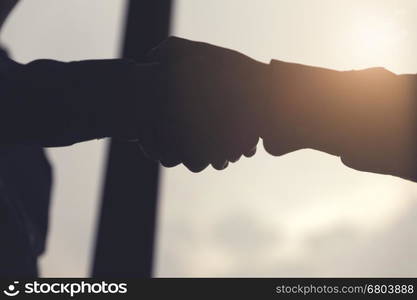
[303,214]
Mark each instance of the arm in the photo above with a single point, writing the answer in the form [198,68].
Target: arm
[366,117]
[56,104]
[182,109]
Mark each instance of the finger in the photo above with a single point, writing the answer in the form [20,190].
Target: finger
[171,155]
[161,49]
[250,152]
[196,167]
[169,163]
[243,144]
[220,165]
[145,153]
[280,146]
[173,48]
[194,160]
[148,145]
[234,158]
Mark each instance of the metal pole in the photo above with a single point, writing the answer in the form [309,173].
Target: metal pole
[125,239]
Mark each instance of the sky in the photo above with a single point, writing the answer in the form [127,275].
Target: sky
[303,214]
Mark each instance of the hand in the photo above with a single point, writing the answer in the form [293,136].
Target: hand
[209,107]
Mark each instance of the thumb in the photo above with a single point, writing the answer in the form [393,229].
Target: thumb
[173,48]
[280,146]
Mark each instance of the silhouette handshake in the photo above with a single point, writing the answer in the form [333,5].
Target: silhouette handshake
[214,104]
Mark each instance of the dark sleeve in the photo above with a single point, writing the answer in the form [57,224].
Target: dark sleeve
[54,103]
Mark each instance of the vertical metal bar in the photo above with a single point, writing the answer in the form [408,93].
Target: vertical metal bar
[125,240]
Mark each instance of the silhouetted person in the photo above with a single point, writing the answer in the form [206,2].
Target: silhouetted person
[25,181]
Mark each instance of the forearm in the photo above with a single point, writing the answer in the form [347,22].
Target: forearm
[328,110]
[55,103]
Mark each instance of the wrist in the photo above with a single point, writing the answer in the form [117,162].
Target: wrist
[303,106]
[263,95]
[285,117]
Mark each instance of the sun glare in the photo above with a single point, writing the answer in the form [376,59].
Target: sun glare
[377,40]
